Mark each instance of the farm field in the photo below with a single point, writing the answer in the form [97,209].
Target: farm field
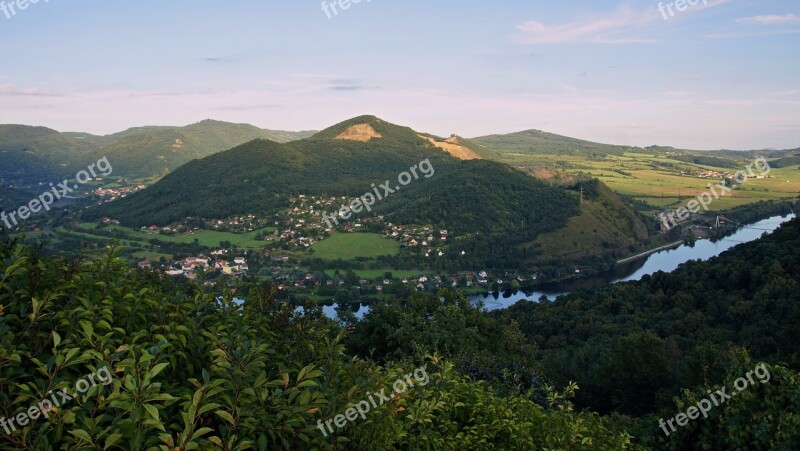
[348,246]
[207,238]
[655,178]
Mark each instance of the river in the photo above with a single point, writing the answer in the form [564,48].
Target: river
[666,260]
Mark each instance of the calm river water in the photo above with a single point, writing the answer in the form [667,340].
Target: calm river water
[667,261]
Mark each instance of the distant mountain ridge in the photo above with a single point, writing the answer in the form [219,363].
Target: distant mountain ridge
[32,154]
[539,142]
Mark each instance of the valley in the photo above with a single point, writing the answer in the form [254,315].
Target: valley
[614,194]
[519,225]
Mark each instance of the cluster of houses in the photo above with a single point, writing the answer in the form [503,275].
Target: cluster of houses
[727,175]
[710,174]
[416,235]
[428,242]
[238,224]
[422,282]
[302,225]
[170,230]
[468,279]
[112,194]
[189,266]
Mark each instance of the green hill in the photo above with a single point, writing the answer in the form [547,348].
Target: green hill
[39,154]
[500,206]
[539,142]
[155,151]
[605,226]
[31,153]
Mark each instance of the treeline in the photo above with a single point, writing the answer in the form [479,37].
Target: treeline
[639,351]
[191,369]
[717,162]
[785,162]
[633,346]
[750,213]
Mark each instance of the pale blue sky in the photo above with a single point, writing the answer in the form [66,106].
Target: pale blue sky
[722,74]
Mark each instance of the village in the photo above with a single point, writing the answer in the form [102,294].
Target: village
[112,194]
[287,236]
[189,267]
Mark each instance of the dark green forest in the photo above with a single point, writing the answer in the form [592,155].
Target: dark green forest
[192,368]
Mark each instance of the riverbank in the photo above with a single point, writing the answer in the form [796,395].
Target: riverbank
[666,260]
[651,251]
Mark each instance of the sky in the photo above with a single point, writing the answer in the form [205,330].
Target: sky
[716,74]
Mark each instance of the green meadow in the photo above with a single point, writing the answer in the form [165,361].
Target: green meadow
[348,246]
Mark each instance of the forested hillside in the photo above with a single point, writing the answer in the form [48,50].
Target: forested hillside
[497,206]
[633,346]
[186,368]
[155,151]
[539,142]
[33,154]
[639,349]
[39,154]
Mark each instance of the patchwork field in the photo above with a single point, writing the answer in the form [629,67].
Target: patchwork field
[656,179]
[348,246]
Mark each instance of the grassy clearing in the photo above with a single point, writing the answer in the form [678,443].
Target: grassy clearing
[150,256]
[375,273]
[348,246]
[207,238]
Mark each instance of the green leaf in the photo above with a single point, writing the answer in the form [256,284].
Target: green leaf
[157,369]
[207,407]
[81,434]
[111,440]
[201,432]
[225,416]
[87,328]
[152,410]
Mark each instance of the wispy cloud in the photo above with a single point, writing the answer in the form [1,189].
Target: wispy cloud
[624,25]
[344,84]
[607,28]
[262,106]
[771,19]
[790,92]
[8,90]
[738,35]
